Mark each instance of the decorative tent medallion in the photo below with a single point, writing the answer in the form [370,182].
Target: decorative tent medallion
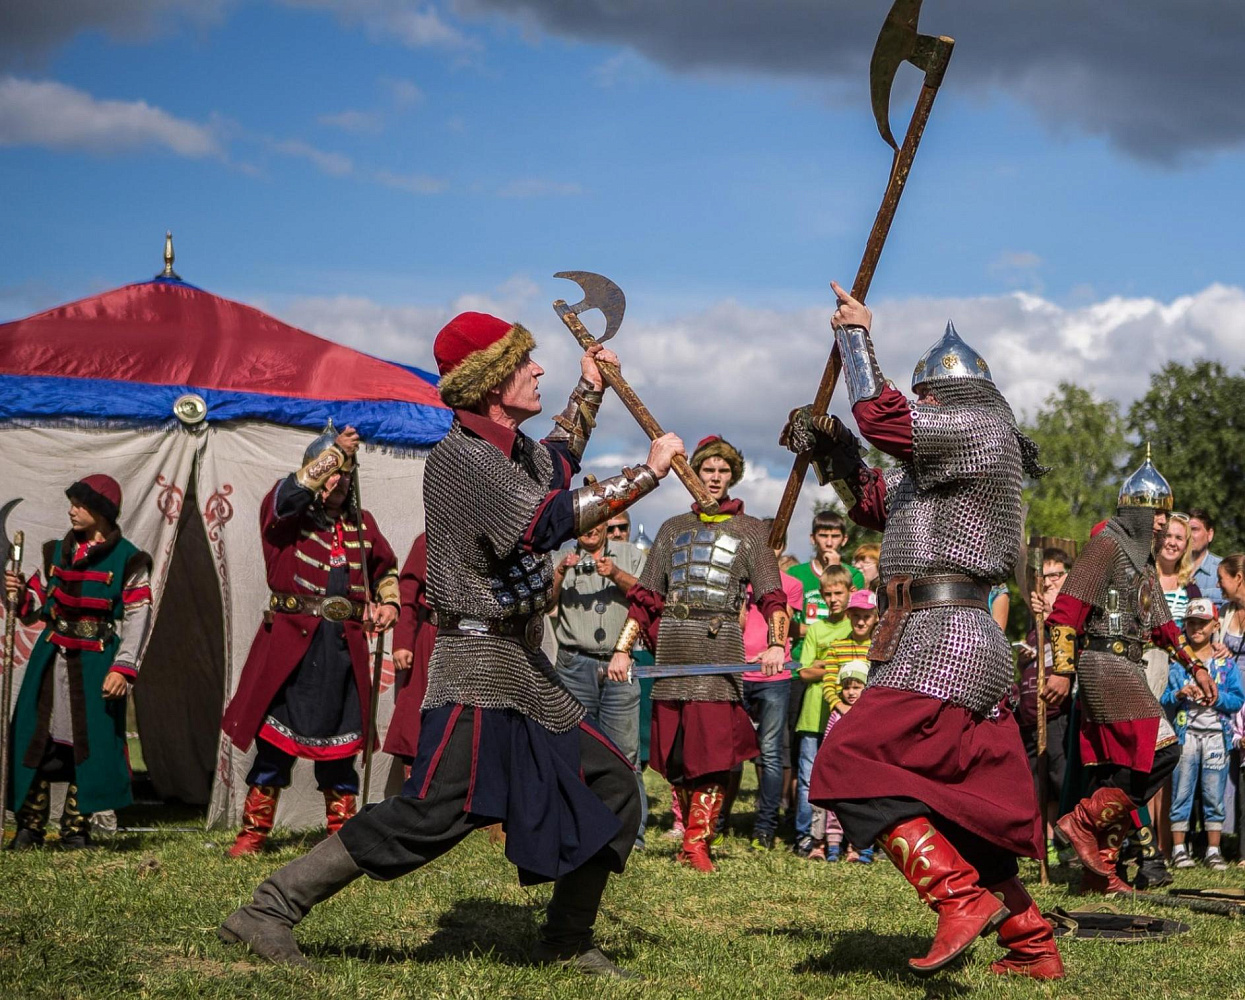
[190,409]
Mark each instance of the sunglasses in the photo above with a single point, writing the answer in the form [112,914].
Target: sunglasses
[617,529]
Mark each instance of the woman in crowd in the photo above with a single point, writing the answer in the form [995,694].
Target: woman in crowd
[1175,567]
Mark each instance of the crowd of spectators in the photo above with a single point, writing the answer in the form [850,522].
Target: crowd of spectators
[834,611]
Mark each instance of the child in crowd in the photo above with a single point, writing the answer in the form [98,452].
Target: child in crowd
[820,635]
[865,559]
[852,678]
[1205,734]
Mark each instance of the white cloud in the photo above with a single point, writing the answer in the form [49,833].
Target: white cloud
[534,187]
[403,93]
[737,370]
[333,164]
[417,24]
[354,121]
[412,183]
[56,116]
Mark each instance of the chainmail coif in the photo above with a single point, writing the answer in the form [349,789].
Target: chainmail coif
[973,392]
[1133,528]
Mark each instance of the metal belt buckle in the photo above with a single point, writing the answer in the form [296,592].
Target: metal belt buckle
[1117,647]
[678,611]
[336,609]
[534,632]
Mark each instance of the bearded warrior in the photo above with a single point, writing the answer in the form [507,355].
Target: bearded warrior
[929,763]
[69,719]
[689,603]
[501,739]
[305,688]
[1111,607]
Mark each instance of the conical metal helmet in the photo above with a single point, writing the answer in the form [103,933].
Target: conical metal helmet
[317,447]
[1146,487]
[642,541]
[950,358]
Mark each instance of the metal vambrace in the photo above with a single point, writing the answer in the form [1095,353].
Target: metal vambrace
[779,626]
[837,460]
[574,424]
[627,637]
[597,502]
[1063,649]
[316,473]
[387,591]
[861,373]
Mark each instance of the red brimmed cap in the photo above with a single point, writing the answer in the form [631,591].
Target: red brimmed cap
[98,493]
[476,352]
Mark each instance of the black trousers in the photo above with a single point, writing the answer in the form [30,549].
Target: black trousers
[1140,786]
[865,820]
[401,834]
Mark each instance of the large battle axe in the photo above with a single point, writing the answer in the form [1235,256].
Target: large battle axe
[10,558]
[897,42]
[601,293]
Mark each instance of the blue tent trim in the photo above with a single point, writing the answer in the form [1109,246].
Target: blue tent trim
[384,422]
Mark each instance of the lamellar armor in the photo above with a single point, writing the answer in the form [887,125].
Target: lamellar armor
[953,510]
[1127,605]
[703,568]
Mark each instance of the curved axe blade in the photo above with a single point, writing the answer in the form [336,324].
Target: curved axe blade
[599,293]
[898,41]
[6,546]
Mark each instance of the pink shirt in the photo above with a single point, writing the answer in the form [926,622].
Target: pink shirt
[756,630]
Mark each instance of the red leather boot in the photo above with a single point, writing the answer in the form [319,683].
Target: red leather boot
[704,804]
[1098,820]
[258,813]
[1028,938]
[1093,884]
[338,807]
[948,884]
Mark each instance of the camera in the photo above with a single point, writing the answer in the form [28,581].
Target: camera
[586,564]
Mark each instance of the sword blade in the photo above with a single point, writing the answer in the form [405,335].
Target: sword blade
[641,670]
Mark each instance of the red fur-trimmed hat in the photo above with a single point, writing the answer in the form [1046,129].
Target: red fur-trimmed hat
[715,446]
[98,493]
[476,352]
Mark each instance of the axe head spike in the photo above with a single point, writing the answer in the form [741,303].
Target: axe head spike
[6,545]
[899,41]
[599,293]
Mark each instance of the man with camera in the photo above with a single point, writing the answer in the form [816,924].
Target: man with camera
[590,584]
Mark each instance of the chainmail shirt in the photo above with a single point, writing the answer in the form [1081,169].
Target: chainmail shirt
[706,566]
[478,505]
[955,508]
[1114,688]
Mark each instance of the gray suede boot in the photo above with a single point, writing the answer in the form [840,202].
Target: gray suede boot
[266,924]
[566,937]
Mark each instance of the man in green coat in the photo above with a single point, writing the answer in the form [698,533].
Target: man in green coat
[69,720]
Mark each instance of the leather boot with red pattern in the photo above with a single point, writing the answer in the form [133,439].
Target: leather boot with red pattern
[1028,938]
[704,804]
[258,813]
[1097,827]
[338,807]
[948,884]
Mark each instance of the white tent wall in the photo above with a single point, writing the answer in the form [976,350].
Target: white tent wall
[237,464]
[241,463]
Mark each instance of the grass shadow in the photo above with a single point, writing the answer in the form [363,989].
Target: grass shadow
[882,955]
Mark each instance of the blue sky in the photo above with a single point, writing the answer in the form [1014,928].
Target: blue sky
[364,169]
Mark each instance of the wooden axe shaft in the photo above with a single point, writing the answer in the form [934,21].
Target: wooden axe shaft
[860,288]
[11,602]
[1043,756]
[614,379]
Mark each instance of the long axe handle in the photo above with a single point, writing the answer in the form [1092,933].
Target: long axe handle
[1043,756]
[648,423]
[6,680]
[860,288]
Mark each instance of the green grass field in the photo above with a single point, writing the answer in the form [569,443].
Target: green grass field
[138,919]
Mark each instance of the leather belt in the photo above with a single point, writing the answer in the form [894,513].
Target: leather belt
[1118,645]
[944,590]
[84,628]
[528,630]
[685,612]
[331,609]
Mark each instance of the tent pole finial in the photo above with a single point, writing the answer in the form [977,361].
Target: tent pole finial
[168,271]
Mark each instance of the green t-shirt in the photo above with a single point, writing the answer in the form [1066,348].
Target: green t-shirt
[813,607]
[816,646]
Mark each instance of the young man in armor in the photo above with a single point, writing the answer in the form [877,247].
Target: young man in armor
[501,739]
[689,602]
[305,689]
[1110,607]
[69,718]
[928,763]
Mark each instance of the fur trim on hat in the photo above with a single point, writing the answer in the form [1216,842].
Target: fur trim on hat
[84,495]
[718,447]
[469,380]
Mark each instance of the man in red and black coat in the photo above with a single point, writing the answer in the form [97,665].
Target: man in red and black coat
[305,687]
[413,639]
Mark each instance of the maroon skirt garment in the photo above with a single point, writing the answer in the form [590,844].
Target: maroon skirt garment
[717,735]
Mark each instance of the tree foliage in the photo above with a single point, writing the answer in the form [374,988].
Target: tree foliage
[1193,416]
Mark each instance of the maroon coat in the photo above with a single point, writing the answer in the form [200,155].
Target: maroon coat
[280,644]
[415,632]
